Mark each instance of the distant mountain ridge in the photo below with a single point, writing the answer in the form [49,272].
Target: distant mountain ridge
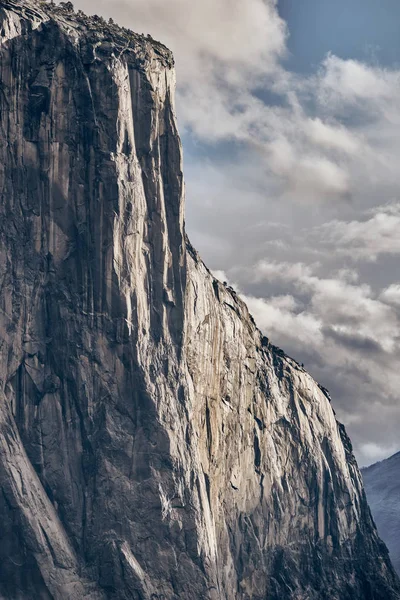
[382,485]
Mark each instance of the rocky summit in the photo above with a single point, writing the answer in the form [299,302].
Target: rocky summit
[153,444]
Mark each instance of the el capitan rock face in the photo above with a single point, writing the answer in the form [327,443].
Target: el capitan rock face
[153,445]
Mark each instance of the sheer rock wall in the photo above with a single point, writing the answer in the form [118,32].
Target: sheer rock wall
[153,445]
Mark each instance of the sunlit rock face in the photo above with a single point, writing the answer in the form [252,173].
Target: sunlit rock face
[382,484]
[153,444]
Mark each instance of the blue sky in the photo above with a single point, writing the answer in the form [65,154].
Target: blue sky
[290,119]
[361,29]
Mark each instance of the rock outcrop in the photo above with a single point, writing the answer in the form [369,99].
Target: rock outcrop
[382,484]
[153,444]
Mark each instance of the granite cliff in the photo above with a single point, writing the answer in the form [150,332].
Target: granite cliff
[153,444]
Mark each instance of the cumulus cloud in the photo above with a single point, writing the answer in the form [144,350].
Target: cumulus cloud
[282,270]
[346,82]
[331,137]
[343,308]
[284,325]
[391,295]
[368,238]
[327,137]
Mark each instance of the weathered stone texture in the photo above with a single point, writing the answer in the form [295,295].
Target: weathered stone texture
[152,444]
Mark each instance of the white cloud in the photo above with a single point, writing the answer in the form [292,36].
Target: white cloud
[348,275]
[347,308]
[366,239]
[391,295]
[350,81]
[280,322]
[286,302]
[334,136]
[376,452]
[286,271]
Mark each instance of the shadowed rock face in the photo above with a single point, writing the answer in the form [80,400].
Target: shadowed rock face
[153,444]
[382,484]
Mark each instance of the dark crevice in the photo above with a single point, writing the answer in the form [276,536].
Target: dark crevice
[208,488]
[216,289]
[209,429]
[257,451]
